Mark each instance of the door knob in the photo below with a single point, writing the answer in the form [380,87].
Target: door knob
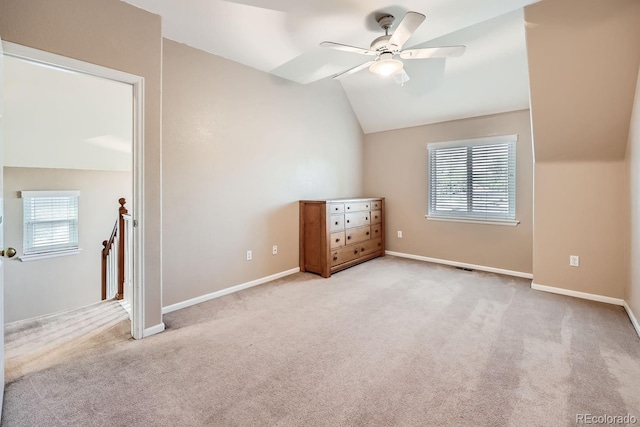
[9,252]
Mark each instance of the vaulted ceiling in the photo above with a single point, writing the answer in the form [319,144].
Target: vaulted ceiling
[282,37]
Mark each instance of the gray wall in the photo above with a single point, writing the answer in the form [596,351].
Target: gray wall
[46,286]
[240,148]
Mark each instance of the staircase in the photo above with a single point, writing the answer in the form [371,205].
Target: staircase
[117,254]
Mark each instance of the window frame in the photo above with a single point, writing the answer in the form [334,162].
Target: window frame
[29,250]
[480,217]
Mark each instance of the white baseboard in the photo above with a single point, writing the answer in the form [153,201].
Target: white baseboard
[153,330]
[462,264]
[227,291]
[577,294]
[634,320]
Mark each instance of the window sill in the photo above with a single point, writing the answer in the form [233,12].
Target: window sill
[35,257]
[507,222]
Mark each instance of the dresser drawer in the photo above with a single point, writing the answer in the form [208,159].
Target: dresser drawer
[357,206]
[370,246]
[336,208]
[376,231]
[376,205]
[345,254]
[359,234]
[336,223]
[337,239]
[357,219]
[376,217]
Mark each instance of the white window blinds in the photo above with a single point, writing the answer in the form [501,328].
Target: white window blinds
[50,221]
[473,179]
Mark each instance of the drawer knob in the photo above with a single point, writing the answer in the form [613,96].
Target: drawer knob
[366,206]
[366,218]
[348,207]
[336,222]
[376,216]
[335,258]
[362,249]
[355,252]
[347,221]
[367,233]
[379,244]
[348,237]
[337,240]
[377,231]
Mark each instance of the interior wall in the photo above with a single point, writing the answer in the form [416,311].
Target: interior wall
[116,35]
[240,148]
[395,167]
[45,286]
[583,64]
[41,101]
[632,288]
[580,210]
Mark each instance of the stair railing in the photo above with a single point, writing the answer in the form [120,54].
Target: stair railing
[114,252]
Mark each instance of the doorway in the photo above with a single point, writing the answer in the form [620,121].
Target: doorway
[64,167]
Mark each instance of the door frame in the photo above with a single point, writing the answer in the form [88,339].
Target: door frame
[137,82]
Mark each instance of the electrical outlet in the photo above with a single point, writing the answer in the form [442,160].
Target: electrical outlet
[274,250]
[249,255]
[574,260]
[399,234]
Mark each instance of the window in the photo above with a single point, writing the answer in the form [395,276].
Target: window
[50,222]
[473,180]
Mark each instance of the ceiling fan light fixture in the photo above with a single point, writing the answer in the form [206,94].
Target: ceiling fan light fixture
[386,66]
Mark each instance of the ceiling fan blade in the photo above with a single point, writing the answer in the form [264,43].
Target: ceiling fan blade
[354,70]
[433,52]
[407,26]
[401,78]
[347,48]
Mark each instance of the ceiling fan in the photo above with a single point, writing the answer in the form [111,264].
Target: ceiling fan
[386,47]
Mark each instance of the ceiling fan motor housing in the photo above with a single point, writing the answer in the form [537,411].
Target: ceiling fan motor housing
[380,44]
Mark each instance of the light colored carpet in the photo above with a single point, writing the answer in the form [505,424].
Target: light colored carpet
[391,342]
[32,345]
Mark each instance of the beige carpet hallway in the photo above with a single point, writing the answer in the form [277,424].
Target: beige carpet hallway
[391,342]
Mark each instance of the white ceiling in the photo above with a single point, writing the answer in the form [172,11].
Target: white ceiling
[281,37]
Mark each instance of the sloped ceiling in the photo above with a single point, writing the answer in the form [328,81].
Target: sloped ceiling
[583,60]
[282,37]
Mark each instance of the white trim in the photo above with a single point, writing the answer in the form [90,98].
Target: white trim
[462,264]
[509,222]
[69,64]
[153,330]
[577,294]
[632,317]
[474,141]
[53,193]
[138,306]
[35,257]
[77,66]
[227,291]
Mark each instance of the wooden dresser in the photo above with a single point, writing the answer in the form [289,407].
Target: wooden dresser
[338,234]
